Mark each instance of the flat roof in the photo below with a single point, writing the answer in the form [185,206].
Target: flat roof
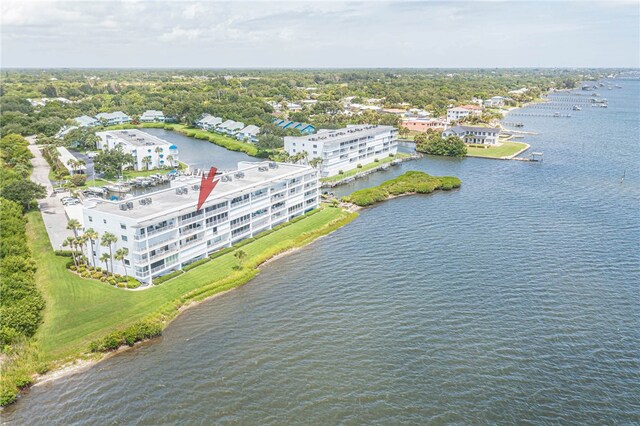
[345,134]
[134,137]
[166,201]
[65,156]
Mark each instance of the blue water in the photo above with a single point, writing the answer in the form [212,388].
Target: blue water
[514,300]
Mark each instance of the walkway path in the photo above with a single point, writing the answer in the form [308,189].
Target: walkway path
[53,214]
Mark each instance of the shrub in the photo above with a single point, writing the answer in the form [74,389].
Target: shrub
[133,284]
[63,253]
[85,274]
[120,285]
[73,267]
[340,172]
[221,252]
[96,275]
[359,166]
[376,161]
[196,264]
[78,180]
[167,277]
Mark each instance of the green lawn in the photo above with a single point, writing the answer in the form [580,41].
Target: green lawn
[506,149]
[80,310]
[364,168]
[227,142]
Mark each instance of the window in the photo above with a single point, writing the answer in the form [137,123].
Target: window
[104,221]
[90,219]
[124,238]
[123,226]
[126,262]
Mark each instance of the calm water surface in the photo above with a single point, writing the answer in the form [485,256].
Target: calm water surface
[512,300]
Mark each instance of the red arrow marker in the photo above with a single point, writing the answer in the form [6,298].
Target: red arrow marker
[206,186]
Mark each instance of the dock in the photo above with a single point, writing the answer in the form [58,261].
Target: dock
[534,114]
[534,157]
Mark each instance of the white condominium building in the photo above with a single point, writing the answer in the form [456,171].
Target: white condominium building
[163,231]
[150,151]
[474,134]
[458,113]
[344,149]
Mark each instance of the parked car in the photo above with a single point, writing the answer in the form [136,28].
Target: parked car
[70,201]
[60,189]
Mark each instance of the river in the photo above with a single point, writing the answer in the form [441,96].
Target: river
[514,299]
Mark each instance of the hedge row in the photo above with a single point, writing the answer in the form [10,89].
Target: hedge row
[196,264]
[165,278]
[137,332]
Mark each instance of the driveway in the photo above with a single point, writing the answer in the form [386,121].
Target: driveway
[53,214]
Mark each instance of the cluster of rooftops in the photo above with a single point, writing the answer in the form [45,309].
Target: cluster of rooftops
[229,127]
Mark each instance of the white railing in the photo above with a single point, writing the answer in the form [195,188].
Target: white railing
[154,232]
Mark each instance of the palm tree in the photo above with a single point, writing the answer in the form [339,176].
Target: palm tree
[304,155]
[146,161]
[72,163]
[104,257]
[121,253]
[315,162]
[170,159]
[158,151]
[92,236]
[81,240]
[74,225]
[240,255]
[70,242]
[108,239]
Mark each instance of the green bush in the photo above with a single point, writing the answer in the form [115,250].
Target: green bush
[137,332]
[167,277]
[221,252]
[63,253]
[196,264]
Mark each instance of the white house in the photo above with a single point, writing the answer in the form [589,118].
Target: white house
[86,121]
[249,133]
[229,127]
[152,116]
[344,149]
[112,118]
[208,122]
[474,134]
[149,151]
[163,231]
[460,112]
[495,102]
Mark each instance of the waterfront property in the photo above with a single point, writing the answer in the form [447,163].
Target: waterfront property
[70,162]
[208,122]
[249,133]
[229,127]
[164,231]
[149,151]
[152,116]
[495,102]
[460,112]
[424,124]
[113,118]
[345,149]
[474,134]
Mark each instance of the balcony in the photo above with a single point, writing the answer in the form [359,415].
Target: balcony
[156,231]
[187,232]
[163,267]
[191,219]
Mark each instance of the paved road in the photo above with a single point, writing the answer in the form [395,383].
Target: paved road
[55,218]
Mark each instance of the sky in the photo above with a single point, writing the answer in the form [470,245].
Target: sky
[319,34]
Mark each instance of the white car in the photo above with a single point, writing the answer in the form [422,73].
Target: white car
[71,202]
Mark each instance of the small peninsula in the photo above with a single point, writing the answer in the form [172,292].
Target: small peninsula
[411,182]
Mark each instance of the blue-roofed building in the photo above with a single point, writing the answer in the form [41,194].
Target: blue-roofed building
[288,124]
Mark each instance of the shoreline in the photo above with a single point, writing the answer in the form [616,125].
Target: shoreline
[84,361]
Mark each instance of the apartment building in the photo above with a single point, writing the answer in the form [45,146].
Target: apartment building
[164,232]
[150,152]
[152,116]
[112,118]
[344,149]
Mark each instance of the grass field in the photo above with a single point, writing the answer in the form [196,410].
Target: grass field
[364,168]
[506,149]
[80,310]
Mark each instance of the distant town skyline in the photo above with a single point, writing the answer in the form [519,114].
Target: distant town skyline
[206,34]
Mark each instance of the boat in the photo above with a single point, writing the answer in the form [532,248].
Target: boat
[577,108]
[618,86]
[604,106]
[556,114]
[118,187]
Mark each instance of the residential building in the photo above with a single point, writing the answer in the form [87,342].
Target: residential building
[249,133]
[149,151]
[293,107]
[208,122]
[393,111]
[86,121]
[64,130]
[495,102]
[234,127]
[458,113]
[112,118]
[152,116]
[69,162]
[417,112]
[424,124]
[288,124]
[474,134]
[344,149]
[163,231]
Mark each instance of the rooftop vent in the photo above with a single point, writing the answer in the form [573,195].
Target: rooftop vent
[239,175]
[182,190]
[273,165]
[196,187]
[263,169]
[124,206]
[130,205]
